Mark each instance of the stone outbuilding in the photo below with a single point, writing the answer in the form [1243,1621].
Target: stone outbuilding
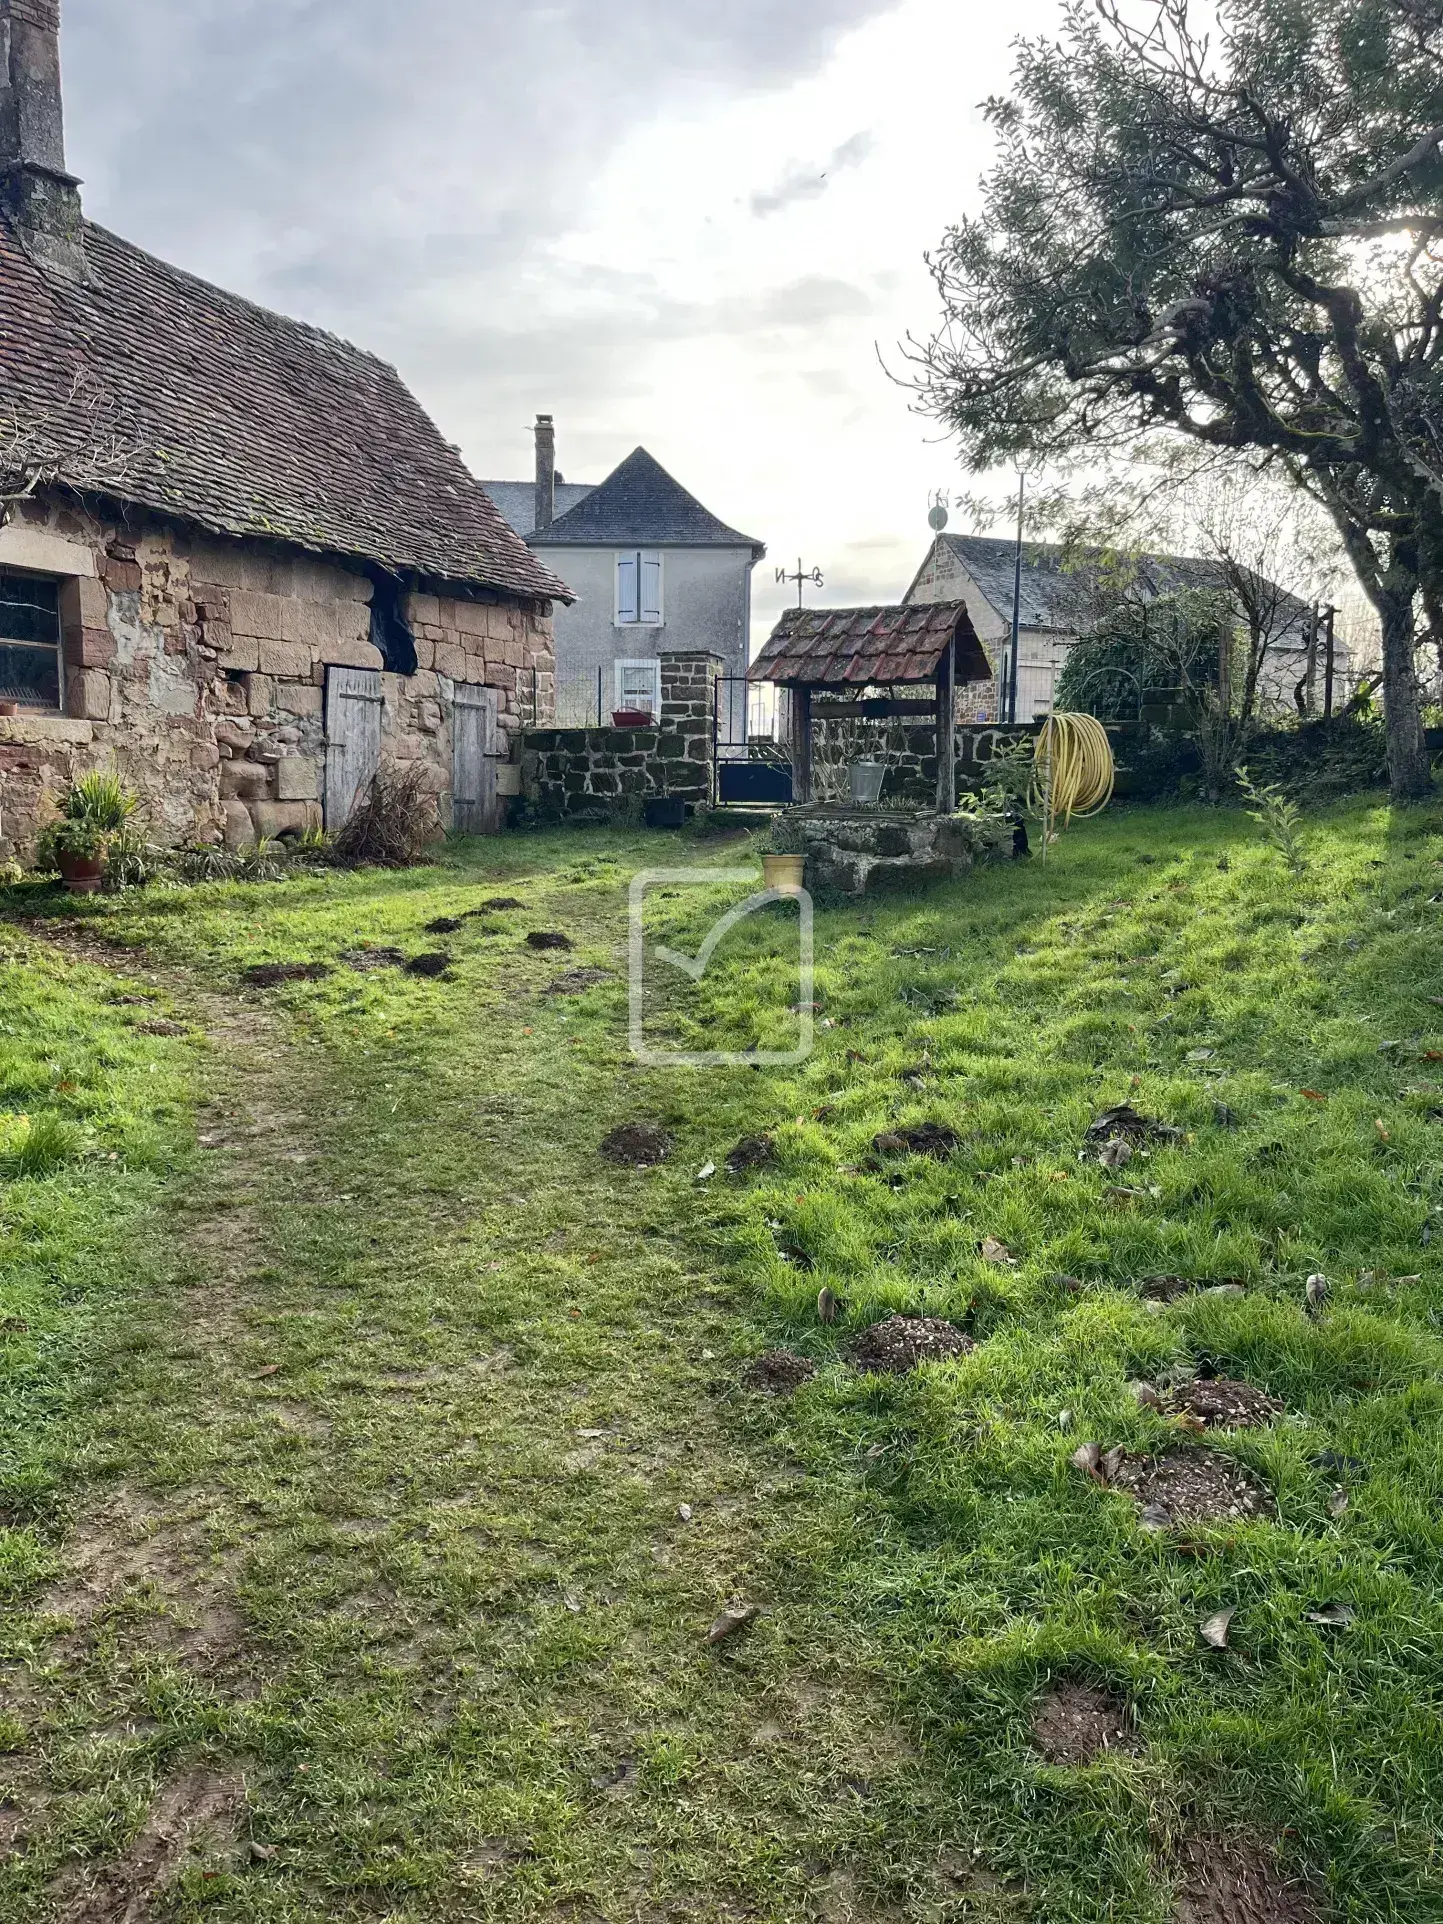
[238,562]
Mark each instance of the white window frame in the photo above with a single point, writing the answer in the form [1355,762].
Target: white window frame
[652,665]
[640,559]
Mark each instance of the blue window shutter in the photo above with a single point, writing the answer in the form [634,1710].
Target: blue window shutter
[651,589]
[628,588]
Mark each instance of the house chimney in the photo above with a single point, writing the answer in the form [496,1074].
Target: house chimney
[545,472]
[36,192]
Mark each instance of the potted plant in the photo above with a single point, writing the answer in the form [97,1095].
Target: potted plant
[93,813]
[784,867]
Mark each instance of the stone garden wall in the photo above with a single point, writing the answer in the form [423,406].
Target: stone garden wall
[571,771]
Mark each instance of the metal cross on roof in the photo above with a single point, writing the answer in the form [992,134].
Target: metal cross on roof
[801,577]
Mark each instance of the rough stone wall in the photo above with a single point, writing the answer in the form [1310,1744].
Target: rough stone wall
[909,751]
[196,668]
[571,770]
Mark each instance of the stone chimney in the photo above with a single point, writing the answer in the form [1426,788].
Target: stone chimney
[545,469]
[36,192]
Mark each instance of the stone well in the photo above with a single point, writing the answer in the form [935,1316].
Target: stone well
[853,850]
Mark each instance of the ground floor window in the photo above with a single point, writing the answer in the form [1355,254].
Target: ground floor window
[30,641]
[638,686]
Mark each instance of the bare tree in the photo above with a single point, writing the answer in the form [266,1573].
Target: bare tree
[85,444]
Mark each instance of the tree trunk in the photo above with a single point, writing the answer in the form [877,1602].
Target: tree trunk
[1409,772]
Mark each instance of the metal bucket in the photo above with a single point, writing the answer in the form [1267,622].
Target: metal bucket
[866,779]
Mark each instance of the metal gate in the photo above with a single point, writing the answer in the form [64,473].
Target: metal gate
[751,736]
[353,739]
[475,753]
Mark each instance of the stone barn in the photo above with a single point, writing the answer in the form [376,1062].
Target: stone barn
[238,562]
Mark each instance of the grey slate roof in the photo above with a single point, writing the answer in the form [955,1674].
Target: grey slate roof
[640,503]
[1051,592]
[245,423]
[517,500]
[864,647]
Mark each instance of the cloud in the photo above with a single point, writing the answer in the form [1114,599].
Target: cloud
[806,181]
[303,144]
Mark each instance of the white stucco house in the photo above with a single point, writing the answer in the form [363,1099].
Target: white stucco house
[653,573]
[980,571]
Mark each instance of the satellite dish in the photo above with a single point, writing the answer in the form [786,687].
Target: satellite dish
[937,520]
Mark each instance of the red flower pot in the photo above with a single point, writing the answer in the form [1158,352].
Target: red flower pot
[81,874]
[632,718]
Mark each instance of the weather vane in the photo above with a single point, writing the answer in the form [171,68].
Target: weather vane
[801,577]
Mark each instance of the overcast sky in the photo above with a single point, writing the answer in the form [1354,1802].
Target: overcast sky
[689,224]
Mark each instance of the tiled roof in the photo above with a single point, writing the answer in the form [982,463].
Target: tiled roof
[517,500]
[1055,584]
[858,647]
[249,424]
[639,502]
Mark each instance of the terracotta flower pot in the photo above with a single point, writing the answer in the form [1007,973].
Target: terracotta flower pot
[8,708]
[785,872]
[82,874]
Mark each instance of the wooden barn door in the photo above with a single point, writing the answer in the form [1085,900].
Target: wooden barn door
[475,804]
[353,739]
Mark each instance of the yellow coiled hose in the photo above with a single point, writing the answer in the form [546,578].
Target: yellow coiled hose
[1074,772]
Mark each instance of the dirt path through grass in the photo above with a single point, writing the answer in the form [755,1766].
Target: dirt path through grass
[418,1477]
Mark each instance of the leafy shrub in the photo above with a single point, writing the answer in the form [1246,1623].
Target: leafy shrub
[94,810]
[1320,761]
[132,860]
[101,800]
[1280,817]
[394,824]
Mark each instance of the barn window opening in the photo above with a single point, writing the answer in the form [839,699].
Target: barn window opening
[390,631]
[30,641]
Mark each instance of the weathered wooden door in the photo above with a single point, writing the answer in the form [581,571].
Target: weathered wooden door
[353,739]
[476,751]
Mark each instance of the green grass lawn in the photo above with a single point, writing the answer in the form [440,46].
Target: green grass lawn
[374,1454]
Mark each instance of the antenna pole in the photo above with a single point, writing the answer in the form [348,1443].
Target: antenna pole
[1016,605]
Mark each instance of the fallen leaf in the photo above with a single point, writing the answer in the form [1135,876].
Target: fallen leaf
[262,1853]
[1215,1630]
[1384,1134]
[1146,1395]
[995,1252]
[684,1511]
[1064,1420]
[1187,1421]
[1116,1154]
[271,1369]
[828,1307]
[1337,1503]
[1201,1055]
[1313,1095]
[1088,1458]
[1224,1117]
[1156,1516]
[1112,1462]
[706,1172]
[735,1617]
[1332,1616]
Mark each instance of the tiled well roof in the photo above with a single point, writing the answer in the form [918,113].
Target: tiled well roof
[249,424]
[640,503]
[858,647]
